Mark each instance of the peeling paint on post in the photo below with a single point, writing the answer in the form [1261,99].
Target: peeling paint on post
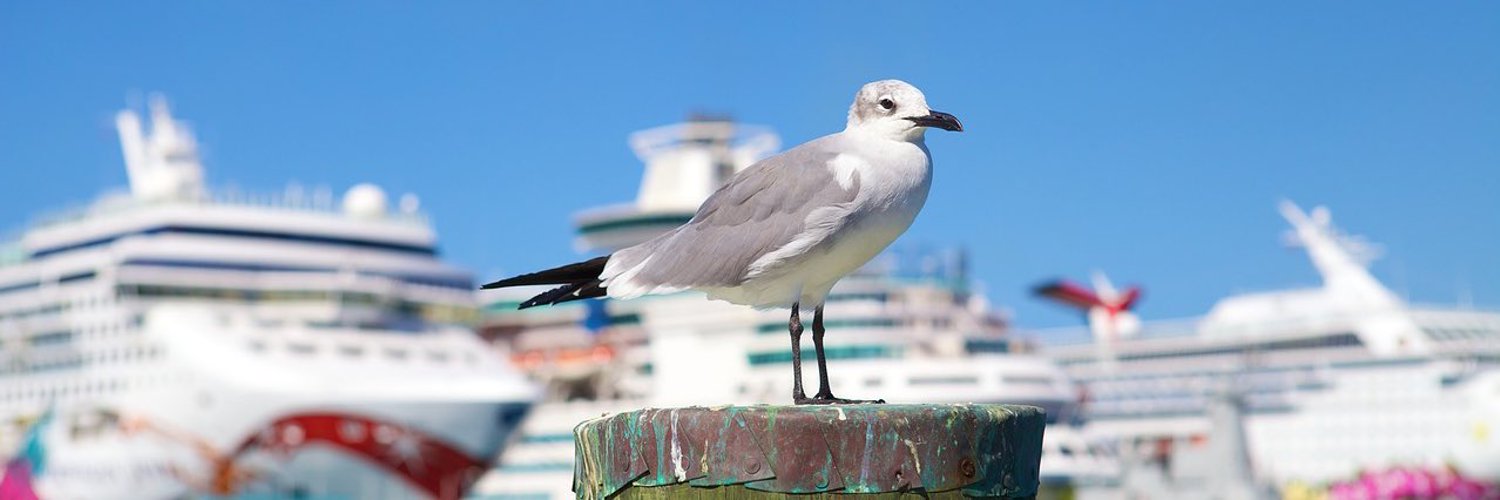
[958,450]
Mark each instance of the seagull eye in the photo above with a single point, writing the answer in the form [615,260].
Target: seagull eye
[887,103]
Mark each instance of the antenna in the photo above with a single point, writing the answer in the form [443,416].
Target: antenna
[133,147]
[1465,294]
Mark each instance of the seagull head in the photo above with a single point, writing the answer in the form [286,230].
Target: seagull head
[898,110]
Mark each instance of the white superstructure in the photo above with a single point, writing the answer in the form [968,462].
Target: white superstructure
[906,328]
[175,341]
[1335,380]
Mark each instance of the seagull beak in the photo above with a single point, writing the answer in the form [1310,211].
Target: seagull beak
[938,119]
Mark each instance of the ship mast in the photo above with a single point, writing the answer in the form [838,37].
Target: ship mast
[163,162]
[1379,317]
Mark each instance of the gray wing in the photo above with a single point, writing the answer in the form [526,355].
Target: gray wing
[762,209]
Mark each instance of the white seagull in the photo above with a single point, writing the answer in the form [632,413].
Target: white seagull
[784,230]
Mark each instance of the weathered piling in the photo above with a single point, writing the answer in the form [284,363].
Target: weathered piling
[955,450]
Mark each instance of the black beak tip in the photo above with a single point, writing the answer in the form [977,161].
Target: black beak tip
[939,119]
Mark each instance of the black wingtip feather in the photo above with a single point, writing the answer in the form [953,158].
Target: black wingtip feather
[589,290]
[550,296]
[569,274]
[566,293]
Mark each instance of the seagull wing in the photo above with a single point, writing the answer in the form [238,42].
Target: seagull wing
[791,200]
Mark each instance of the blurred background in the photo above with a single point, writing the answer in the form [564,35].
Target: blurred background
[235,231]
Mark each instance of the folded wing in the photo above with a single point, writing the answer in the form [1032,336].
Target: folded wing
[787,198]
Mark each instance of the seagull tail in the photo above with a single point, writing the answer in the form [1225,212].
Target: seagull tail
[579,281]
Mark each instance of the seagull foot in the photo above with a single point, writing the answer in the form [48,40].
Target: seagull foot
[830,400]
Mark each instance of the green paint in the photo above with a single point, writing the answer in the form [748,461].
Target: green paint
[641,221]
[981,450]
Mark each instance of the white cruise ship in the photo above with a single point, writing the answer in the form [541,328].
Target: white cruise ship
[906,328]
[1335,383]
[174,342]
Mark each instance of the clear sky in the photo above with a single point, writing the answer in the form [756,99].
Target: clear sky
[1150,140]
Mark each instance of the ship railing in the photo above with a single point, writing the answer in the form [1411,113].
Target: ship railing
[1464,326]
[1459,327]
[1067,336]
[293,200]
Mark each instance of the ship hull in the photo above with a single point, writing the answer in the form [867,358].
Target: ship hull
[279,447]
[214,417]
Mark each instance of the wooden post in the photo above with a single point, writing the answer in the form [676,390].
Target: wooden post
[949,450]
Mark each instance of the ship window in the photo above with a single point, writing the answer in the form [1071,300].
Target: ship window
[439,313]
[301,348]
[978,346]
[352,351]
[212,231]
[16,287]
[437,356]
[842,352]
[1346,339]
[395,353]
[1026,380]
[945,380]
[875,296]
[356,298]
[780,326]
[51,338]
[626,319]
[83,276]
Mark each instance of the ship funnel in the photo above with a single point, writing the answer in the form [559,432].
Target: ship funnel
[1109,311]
[685,163]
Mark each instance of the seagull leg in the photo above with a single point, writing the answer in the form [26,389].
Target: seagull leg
[825,394]
[795,327]
[823,391]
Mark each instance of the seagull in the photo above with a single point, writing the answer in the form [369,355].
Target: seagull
[782,231]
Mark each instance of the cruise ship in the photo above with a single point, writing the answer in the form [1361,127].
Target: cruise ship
[1330,384]
[171,342]
[906,328]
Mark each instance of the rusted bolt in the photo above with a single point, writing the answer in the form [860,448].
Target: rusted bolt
[754,467]
[898,474]
[966,467]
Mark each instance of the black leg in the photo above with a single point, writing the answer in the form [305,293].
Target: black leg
[825,394]
[795,327]
[823,391]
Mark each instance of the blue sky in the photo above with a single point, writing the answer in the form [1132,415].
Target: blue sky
[1150,140]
